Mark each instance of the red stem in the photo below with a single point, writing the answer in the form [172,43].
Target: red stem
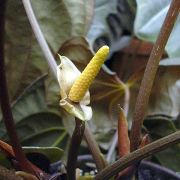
[4,100]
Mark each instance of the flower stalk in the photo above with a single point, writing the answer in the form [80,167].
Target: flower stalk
[94,149]
[73,148]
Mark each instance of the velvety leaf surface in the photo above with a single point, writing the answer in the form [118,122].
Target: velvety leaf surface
[149,18]
[81,13]
[37,125]
[30,102]
[63,19]
[58,20]
[41,129]
[24,61]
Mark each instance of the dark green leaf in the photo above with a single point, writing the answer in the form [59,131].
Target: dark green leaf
[159,126]
[37,125]
[54,154]
[59,21]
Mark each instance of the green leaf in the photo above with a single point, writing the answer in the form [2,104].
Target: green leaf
[158,127]
[61,20]
[24,60]
[149,18]
[81,13]
[31,101]
[58,20]
[37,125]
[54,154]
[41,129]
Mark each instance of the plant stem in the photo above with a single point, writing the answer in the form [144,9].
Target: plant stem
[138,155]
[73,148]
[150,72]
[40,38]
[126,109]
[94,149]
[4,100]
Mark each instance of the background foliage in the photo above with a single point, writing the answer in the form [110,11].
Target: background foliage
[76,28]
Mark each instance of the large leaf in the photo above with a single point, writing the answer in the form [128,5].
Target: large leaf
[149,18]
[81,13]
[42,129]
[24,61]
[31,101]
[61,20]
[36,123]
[160,126]
[58,20]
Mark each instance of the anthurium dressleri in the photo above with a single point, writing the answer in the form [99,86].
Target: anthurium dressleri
[74,85]
[67,73]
